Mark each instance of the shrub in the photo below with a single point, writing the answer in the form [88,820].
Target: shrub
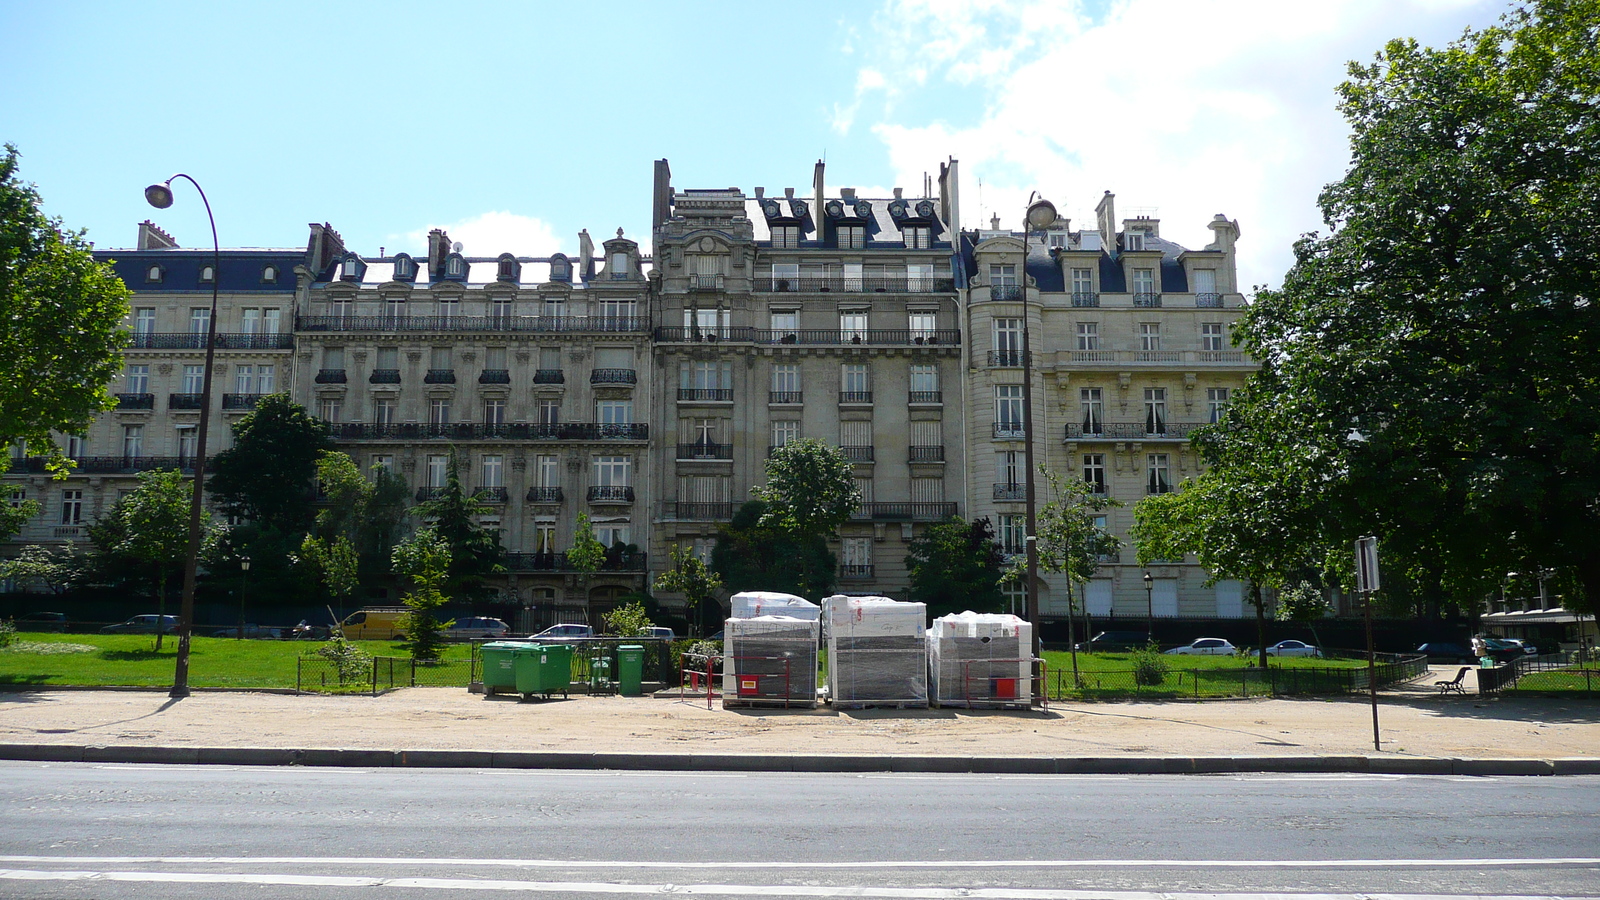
[1149,668]
[351,661]
[8,632]
[628,620]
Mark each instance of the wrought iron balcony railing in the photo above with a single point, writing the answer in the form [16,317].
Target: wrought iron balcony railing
[615,561]
[549,376]
[704,451]
[610,493]
[825,337]
[1005,359]
[494,494]
[697,511]
[384,324]
[330,376]
[786,397]
[613,376]
[1085,298]
[184,401]
[241,401]
[1146,299]
[705,395]
[494,376]
[823,284]
[706,282]
[899,511]
[926,453]
[857,453]
[136,401]
[1208,300]
[471,431]
[109,465]
[384,376]
[225,341]
[440,376]
[1132,431]
[855,571]
[1009,491]
[1005,292]
[538,494]
[925,397]
[855,397]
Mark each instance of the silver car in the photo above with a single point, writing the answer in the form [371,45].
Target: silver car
[1204,647]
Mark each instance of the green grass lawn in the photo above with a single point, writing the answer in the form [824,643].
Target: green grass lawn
[1123,662]
[131,660]
[1559,681]
[1110,675]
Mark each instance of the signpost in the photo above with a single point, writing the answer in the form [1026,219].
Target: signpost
[1367,583]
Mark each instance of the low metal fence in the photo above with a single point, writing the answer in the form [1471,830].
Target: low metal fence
[316,674]
[1273,681]
[1565,673]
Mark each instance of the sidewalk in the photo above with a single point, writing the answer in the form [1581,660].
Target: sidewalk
[1421,732]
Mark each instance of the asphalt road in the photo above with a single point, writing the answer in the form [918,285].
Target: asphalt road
[123,831]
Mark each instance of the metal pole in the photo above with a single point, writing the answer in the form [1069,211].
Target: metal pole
[1372,679]
[180,676]
[1030,542]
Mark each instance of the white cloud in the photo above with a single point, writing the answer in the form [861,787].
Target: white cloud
[1193,108]
[491,234]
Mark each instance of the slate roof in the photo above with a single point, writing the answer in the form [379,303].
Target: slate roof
[241,269]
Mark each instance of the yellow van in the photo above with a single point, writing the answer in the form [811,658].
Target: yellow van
[374,623]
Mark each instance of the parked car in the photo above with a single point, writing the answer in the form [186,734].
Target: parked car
[564,633]
[1516,643]
[476,627]
[374,623]
[1502,650]
[1293,648]
[661,632]
[1114,641]
[1445,652]
[1205,647]
[43,621]
[251,630]
[146,624]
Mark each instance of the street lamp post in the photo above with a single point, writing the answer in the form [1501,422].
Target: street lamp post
[244,587]
[1040,214]
[1149,607]
[160,196]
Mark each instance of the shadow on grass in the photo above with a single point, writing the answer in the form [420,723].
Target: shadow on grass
[20,681]
[137,655]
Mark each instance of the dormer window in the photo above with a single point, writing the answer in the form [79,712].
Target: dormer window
[918,237]
[619,265]
[269,275]
[153,275]
[560,268]
[405,268]
[455,267]
[851,237]
[1132,240]
[207,274]
[350,269]
[786,237]
[508,269]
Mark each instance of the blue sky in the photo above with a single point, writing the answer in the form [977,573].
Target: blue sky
[516,124]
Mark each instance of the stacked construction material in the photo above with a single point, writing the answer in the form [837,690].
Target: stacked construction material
[750,604]
[877,652]
[981,660]
[770,660]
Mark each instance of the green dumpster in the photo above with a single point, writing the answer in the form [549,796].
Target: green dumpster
[543,669]
[499,668]
[630,670]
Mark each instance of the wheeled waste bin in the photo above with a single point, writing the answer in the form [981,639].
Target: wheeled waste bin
[499,667]
[630,670]
[543,669]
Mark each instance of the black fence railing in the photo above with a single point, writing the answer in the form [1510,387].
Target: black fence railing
[915,397]
[109,465]
[614,376]
[697,511]
[855,396]
[440,376]
[241,401]
[705,395]
[470,323]
[610,493]
[1138,431]
[225,341]
[558,562]
[824,284]
[701,450]
[549,376]
[898,511]
[494,376]
[473,431]
[184,401]
[786,397]
[828,337]
[314,674]
[135,401]
[331,376]
[1244,681]
[384,376]
[538,494]
[926,453]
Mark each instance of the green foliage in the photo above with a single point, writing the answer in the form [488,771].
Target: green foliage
[268,474]
[1150,668]
[587,553]
[352,663]
[1069,540]
[8,633]
[358,513]
[956,566]
[424,559]
[58,568]
[810,489]
[60,336]
[752,556]
[687,575]
[628,620]
[475,552]
[1301,602]
[1435,354]
[334,561]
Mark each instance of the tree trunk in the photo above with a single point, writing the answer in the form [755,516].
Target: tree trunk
[161,604]
[1261,622]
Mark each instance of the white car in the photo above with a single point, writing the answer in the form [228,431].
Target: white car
[564,633]
[1204,647]
[476,627]
[1293,648]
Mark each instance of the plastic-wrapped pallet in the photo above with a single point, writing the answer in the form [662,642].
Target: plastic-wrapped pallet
[750,604]
[877,652]
[770,659]
[981,659]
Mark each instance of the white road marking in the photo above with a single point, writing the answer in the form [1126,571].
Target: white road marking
[825,864]
[745,890]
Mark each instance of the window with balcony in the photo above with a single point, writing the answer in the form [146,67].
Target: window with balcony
[1157,480]
[549,412]
[1211,336]
[1155,410]
[925,384]
[144,321]
[1011,533]
[785,384]
[72,507]
[1205,289]
[927,442]
[1092,411]
[199,320]
[1010,471]
[494,412]
[1083,292]
[1094,471]
[855,437]
[500,310]
[852,325]
[132,441]
[438,470]
[1088,336]
[919,277]
[330,409]
[785,325]
[194,379]
[188,442]
[855,383]
[1217,401]
[1008,410]
[785,431]
[1149,336]
[492,471]
[383,411]
[612,471]
[614,412]
[924,326]
[1002,275]
[785,237]
[856,557]
[1144,288]
[547,471]
[439,411]
[137,379]
[918,237]
[1007,343]
[705,381]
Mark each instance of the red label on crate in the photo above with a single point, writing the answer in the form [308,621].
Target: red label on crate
[1005,688]
[749,684]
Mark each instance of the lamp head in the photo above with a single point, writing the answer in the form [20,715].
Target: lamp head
[1147,579]
[1041,214]
[244,563]
[159,195]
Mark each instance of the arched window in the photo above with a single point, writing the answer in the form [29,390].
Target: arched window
[269,274]
[454,266]
[351,267]
[207,273]
[560,268]
[154,274]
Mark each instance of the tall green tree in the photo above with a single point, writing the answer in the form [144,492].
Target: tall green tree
[1071,541]
[688,575]
[269,474]
[1435,352]
[751,556]
[359,519]
[810,491]
[424,560]
[150,529]
[956,566]
[60,340]
[587,553]
[476,553]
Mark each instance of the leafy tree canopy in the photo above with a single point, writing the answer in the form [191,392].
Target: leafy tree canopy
[424,559]
[587,553]
[1435,354]
[475,551]
[689,576]
[810,489]
[268,474]
[752,556]
[956,566]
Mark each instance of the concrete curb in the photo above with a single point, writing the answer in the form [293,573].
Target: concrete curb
[840,763]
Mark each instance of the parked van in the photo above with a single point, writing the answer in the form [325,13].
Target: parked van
[374,623]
